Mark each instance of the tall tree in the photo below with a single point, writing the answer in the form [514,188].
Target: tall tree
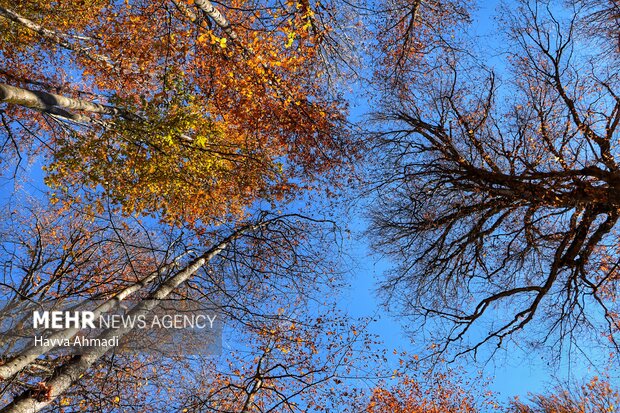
[500,197]
[163,128]
[215,110]
[447,394]
[434,392]
[262,277]
[596,396]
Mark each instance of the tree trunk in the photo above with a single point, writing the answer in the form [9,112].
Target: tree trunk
[31,353]
[67,374]
[58,38]
[218,18]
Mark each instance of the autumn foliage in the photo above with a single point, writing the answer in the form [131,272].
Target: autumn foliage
[172,150]
[410,395]
[197,118]
[163,130]
[446,393]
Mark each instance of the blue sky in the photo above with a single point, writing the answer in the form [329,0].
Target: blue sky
[513,373]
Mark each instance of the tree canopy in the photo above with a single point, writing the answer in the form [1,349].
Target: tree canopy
[199,151]
[500,195]
[164,130]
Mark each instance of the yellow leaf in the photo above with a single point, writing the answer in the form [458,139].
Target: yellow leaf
[291,39]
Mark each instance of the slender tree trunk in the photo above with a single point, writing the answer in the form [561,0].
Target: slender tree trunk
[58,105]
[218,18]
[58,38]
[73,370]
[252,395]
[31,353]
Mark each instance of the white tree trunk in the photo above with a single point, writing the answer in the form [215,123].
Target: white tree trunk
[218,18]
[48,102]
[58,38]
[71,371]
[31,353]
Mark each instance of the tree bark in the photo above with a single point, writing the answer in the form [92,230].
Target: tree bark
[218,18]
[45,101]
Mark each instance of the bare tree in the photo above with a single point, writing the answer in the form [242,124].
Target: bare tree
[500,197]
[260,276]
[601,19]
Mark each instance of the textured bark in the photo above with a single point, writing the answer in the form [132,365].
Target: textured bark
[218,18]
[45,101]
[59,105]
